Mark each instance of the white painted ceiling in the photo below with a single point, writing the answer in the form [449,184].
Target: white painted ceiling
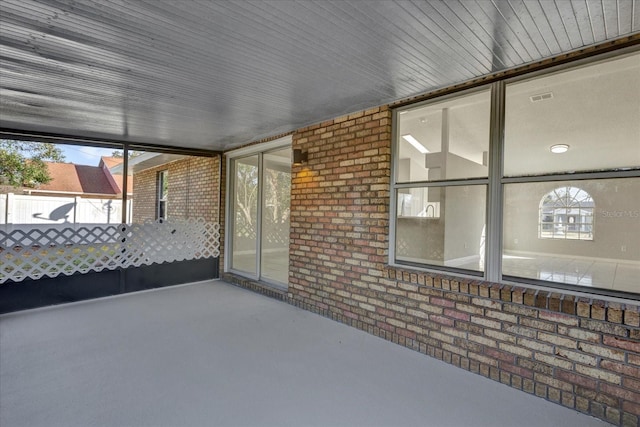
[217,74]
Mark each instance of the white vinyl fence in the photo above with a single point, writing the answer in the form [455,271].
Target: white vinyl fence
[29,212]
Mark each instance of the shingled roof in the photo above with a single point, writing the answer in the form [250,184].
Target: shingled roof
[111,162]
[78,179]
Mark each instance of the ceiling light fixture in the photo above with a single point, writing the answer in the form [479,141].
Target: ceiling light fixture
[411,140]
[559,148]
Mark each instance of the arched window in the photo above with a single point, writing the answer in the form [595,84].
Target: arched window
[566,213]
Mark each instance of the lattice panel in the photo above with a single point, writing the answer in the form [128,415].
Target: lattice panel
[51,252]
[277,233]
[402,247]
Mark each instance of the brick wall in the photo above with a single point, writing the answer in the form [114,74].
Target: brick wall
[580,353]
[193,190]
[144,195]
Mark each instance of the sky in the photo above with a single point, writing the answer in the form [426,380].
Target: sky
[83,155]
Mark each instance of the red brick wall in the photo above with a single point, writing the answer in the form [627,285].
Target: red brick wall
[580,353]
[193,190]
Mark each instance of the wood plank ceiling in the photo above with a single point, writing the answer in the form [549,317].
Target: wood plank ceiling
[213,75]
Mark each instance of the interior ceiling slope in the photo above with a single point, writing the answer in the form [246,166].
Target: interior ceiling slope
[213,75]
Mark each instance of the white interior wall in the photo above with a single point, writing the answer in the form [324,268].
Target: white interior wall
[464,221]
[616,220]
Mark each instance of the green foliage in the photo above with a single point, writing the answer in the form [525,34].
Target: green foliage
[132,153]
[246,189]
[22,163]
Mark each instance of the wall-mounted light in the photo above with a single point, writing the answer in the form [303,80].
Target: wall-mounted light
[299,156]
[559,148]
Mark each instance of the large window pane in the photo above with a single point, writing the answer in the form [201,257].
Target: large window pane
[274,259]
[444,140]
[579,229]
[47,186]
[593,111]
[71,208]
[59,210]
[577,232]
[446,229]
[245,215]
[172,187]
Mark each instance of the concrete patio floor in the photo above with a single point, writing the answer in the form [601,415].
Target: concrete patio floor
[210,354]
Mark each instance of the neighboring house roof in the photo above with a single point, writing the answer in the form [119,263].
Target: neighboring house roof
[77,179]
[147,160]
[107,163]
[72,179]
[111,161]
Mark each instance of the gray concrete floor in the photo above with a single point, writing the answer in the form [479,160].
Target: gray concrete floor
[210,354]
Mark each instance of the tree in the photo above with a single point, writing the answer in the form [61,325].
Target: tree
[22,163]
[132,153]
[277,195]
[246,198]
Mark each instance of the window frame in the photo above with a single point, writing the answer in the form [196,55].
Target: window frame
[496,182]
[162,177]
[232,156]
[440,183]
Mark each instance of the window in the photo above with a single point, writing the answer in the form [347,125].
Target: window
[162,194]
[259,209]
[550,198]
[86,208]
[441,178]
[566,213]
[571,139]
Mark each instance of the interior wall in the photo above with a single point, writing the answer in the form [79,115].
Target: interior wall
[464,221]
[617,212]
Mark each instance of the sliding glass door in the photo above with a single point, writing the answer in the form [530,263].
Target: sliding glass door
[276,186]
[259,210]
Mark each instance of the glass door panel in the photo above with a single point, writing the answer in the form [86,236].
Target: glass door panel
[274,260]
[245,215]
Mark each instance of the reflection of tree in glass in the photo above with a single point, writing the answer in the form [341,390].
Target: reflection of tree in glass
[22,163]
[165,186]
[246,197]
[132,153]
[277,196]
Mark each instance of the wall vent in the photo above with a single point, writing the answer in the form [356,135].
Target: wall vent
[541,97]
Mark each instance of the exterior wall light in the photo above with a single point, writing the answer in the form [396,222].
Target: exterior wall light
[559,148]
[299,156]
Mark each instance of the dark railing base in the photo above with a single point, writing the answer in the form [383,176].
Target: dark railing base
[27,294]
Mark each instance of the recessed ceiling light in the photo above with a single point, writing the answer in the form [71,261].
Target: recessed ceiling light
[559,148]
[411,140]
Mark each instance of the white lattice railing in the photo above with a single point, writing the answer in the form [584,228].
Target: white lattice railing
[35,253]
